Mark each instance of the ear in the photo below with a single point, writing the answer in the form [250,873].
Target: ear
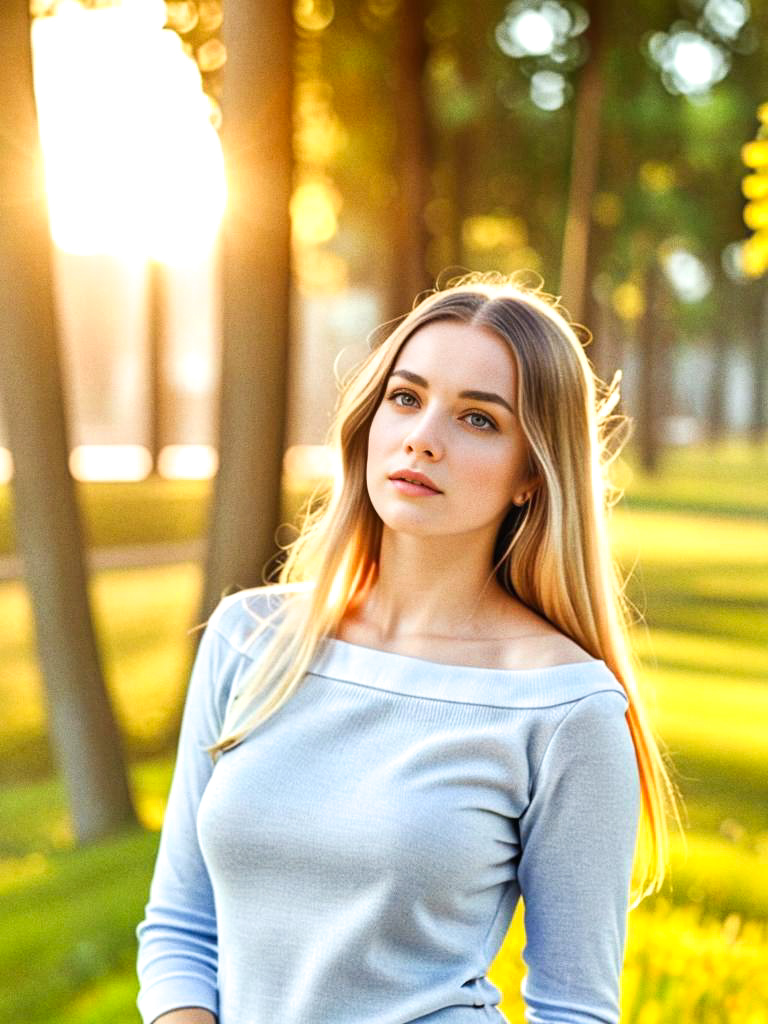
[534,484]
[526,490]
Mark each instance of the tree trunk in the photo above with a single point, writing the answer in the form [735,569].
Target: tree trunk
[759,351]
[650,350]
[85,738]
[606,350]
[255,267]
[721,348]
[410,237]
[585,156]
[156,321]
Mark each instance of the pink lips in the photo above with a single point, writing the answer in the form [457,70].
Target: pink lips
[409,481]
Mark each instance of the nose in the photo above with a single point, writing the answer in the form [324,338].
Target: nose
[422,440]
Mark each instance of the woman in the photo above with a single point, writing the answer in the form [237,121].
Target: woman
[434,713]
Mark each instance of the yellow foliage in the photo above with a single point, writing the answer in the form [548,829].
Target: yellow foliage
[677,962]
[754,254]
[313,15]
[607,209]
[628,301]
[657,175]
[755,153]
[756,215]
[314,206]
[491,232]
[755,186]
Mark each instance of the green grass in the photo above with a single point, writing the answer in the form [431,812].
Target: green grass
[67,923]
[727,479]
[698,541]
[151,510]
[142,618]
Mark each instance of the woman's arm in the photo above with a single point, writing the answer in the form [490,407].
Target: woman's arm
[578,838]
[189,1015]
[177,962]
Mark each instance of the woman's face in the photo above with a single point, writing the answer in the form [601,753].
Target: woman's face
[448,413]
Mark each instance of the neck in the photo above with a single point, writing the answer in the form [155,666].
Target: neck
[431,586]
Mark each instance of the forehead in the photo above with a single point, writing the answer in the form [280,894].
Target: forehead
[446,351]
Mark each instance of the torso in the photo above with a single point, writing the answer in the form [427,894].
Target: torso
[514,642]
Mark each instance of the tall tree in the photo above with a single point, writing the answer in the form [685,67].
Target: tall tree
[85,737]
[653,345]
[576,265]
[758,430]
[157,319]
[257,96]
[412,160]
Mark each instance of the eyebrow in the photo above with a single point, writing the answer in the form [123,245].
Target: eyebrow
[479,396]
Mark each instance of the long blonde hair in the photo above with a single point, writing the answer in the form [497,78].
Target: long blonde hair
[553,553]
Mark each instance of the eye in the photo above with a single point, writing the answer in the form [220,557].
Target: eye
[480,421]
[405,399]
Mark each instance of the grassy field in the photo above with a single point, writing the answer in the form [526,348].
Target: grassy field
[697,542]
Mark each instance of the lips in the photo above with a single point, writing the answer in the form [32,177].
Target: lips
[411,476]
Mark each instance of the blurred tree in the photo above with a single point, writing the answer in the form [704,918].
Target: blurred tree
[576,267]
[759,352]
[413,161]
[156,335]
[463,113]
[651,390]
[84,735]
[257,91]
[753,260]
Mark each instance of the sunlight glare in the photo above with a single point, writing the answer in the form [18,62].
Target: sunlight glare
[188,462]
[6,465]
[110,462]
[133,164]
[534,32]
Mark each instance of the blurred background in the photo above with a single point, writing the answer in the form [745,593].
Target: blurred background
[205,211]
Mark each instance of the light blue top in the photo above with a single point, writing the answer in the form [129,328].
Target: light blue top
[358,858]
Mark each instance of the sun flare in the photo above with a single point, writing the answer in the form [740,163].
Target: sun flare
[133,164]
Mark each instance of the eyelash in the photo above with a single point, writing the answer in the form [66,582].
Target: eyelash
[402,391]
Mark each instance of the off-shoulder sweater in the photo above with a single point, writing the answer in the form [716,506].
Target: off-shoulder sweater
[358,858]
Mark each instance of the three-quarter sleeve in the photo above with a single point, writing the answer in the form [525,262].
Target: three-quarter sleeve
[577,838]
[177,953]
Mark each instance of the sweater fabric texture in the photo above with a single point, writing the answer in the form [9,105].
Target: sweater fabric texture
[358,858]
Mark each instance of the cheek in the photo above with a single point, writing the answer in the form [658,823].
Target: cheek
[491,467]
[375,435]
[379,441]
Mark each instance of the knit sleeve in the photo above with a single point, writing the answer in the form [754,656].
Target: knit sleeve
[578,838]
[177,939]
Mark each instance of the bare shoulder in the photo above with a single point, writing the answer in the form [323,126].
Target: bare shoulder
[554,648]
[542,645]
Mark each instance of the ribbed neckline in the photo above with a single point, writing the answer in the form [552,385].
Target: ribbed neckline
[417,677]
